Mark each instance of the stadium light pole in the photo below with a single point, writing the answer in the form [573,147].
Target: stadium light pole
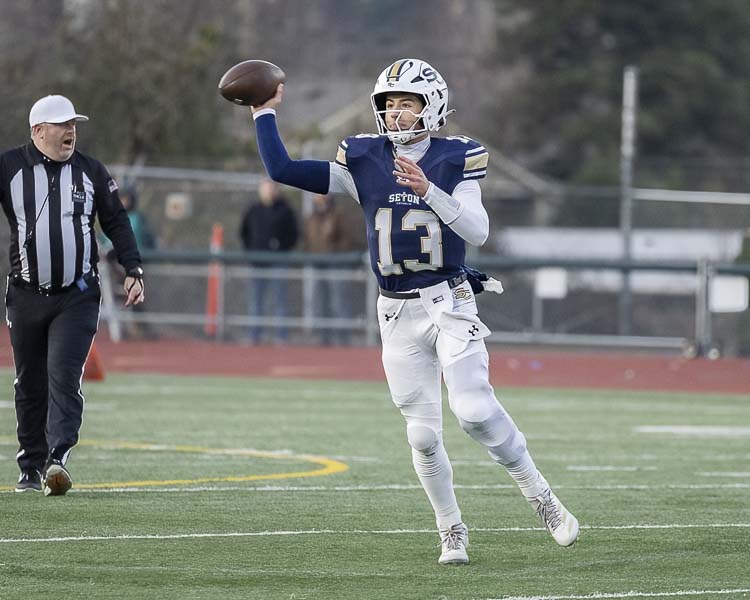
[627,155]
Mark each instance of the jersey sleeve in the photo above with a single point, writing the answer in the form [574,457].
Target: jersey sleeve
[475,161]
[344,169]
[341,154]
[309,175]
[341,180]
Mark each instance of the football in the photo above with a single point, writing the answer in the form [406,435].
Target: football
[251,82]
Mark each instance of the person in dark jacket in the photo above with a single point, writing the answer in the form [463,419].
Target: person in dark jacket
[268,225]
[327,231]
[52,195]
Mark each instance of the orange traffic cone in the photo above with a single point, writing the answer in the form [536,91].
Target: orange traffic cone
[215,273]
[94,367]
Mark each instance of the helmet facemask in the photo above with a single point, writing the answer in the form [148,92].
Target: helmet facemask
[415,77]
[399,135]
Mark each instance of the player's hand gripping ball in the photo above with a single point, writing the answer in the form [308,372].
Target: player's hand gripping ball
[251,83]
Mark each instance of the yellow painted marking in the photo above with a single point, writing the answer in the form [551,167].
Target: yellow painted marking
[326,466]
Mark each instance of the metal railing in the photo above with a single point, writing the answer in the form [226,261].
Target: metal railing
[177,282]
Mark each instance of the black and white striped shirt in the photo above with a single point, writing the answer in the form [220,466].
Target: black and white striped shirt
[51,207]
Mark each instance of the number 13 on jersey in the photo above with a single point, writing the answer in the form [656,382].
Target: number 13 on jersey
[431,244]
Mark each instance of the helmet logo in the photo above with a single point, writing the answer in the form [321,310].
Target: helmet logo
[429,74]
[397,69]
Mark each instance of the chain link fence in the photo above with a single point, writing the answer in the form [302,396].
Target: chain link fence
[706,317]
[182,208]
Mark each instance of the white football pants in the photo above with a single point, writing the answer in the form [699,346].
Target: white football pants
[441,334]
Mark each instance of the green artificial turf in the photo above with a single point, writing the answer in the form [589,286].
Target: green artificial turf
[181,490]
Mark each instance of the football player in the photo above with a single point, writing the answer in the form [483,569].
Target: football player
[422,204]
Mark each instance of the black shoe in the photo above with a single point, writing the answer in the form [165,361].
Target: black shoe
[57,480]
[29,481]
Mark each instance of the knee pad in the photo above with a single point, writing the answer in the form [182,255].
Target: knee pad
[476,404]
[511,450]
[491,431]
[422,438]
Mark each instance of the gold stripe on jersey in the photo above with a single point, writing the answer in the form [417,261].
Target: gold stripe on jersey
[478,161]
[341,156]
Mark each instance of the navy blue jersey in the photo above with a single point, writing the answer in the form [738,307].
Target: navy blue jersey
[410,247]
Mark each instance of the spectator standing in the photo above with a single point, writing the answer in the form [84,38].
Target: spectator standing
[327,231]
[269,225]
[144,236]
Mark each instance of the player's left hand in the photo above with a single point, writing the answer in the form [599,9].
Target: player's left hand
[410,175]
[134,289]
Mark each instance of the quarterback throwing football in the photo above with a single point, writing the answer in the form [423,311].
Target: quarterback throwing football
[422,204]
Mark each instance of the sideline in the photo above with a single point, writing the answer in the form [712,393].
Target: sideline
[312,532]
[631,594]
[388,487]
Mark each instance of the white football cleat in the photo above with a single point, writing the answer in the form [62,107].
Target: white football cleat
[454,541]
[561,524]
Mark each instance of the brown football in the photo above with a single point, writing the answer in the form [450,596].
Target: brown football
[251,82]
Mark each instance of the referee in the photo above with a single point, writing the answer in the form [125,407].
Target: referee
[51,195]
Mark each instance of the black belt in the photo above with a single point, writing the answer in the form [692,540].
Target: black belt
[81,283]
[452,282]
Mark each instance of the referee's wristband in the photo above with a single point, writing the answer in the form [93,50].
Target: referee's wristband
[136,272]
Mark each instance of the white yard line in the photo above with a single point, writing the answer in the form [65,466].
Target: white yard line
[393,487]
[364,459]
[630,458]
[609,468]
[176,390]
[697,430]
[10,405]
[630,594]
[243,570]
[243,534]
[739,474]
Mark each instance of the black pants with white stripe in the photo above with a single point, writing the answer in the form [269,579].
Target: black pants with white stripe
[51,337]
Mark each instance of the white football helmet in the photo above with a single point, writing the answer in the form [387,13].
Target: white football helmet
[412,76]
